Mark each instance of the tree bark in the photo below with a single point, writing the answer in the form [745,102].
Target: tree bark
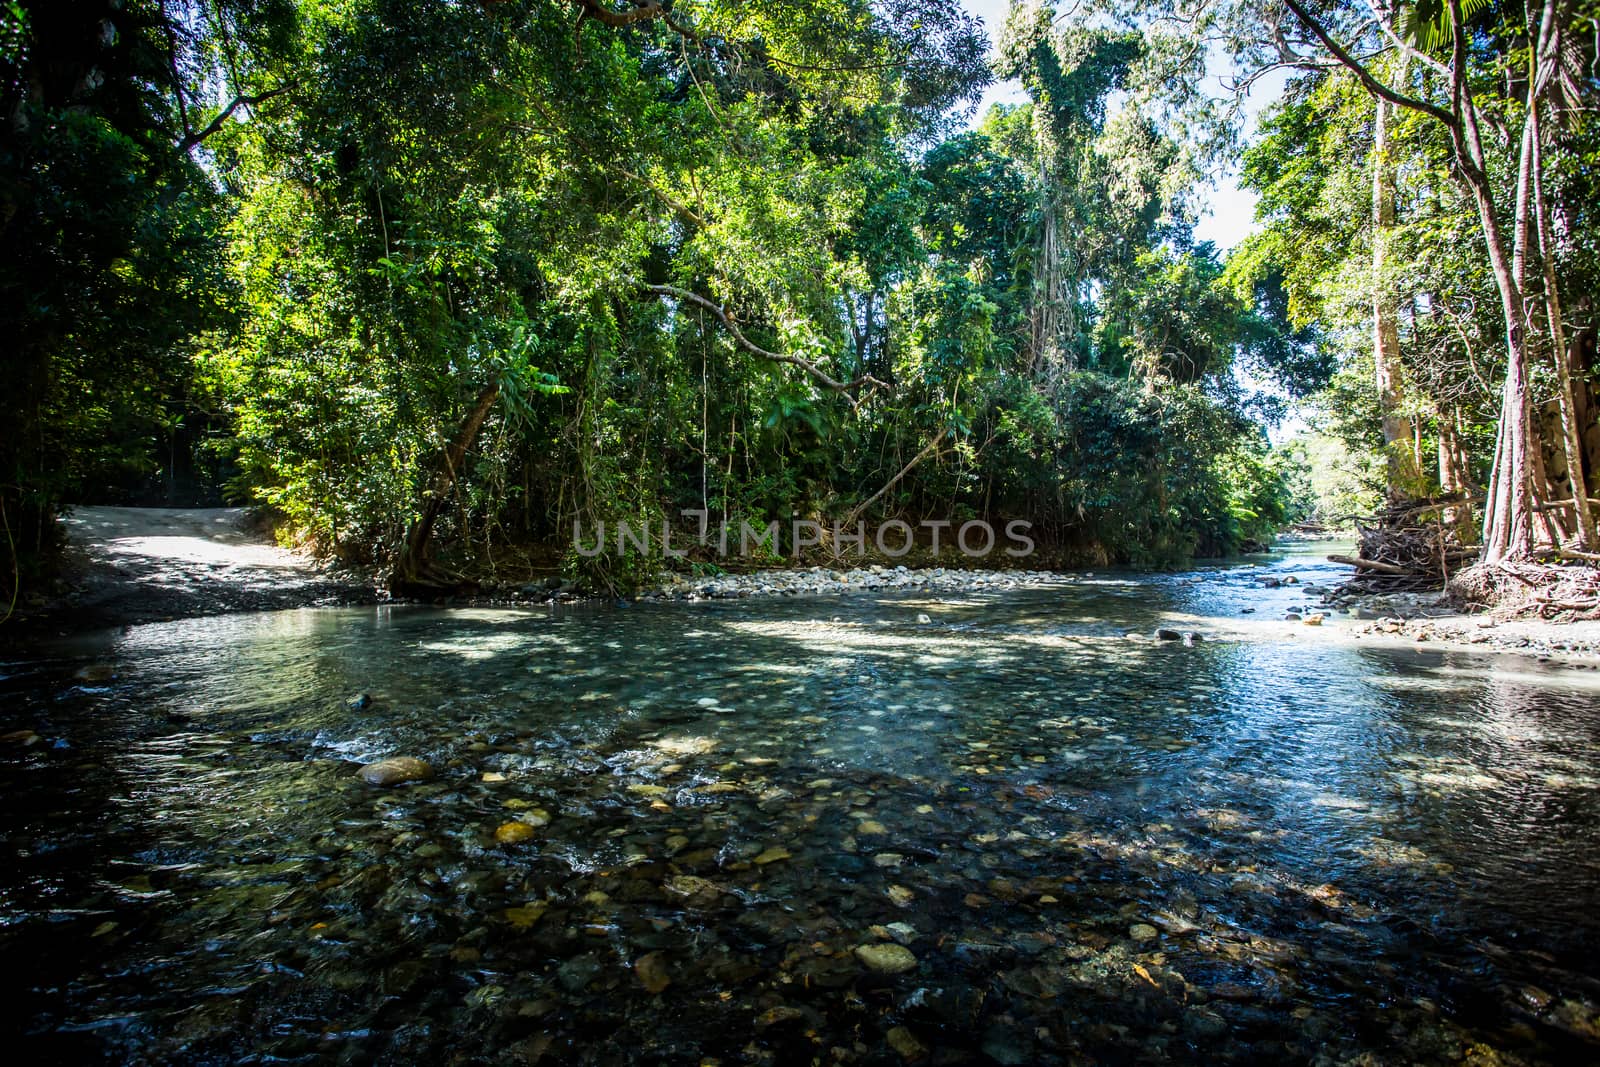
[1572,434]
[413,571]
[1400,475]
[1508,513]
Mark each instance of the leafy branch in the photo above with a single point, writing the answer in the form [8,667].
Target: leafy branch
[850,390]
[194,137]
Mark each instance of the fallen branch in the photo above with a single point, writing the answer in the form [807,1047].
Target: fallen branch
[1405,549]
[1372,565]
[1562,505]
[1393,515]
[890,484]
[1505,568]
[1572,605]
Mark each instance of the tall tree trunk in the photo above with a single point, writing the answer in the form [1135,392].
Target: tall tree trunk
[1400,475]
[1508,513]
[1507,531]
[1571,431]
[413,570]
[1454,472]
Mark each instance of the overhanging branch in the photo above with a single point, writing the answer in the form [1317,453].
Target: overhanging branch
[639,11]
[927,450]
[849,390]
[1363,75]
[688,213]
[242,100]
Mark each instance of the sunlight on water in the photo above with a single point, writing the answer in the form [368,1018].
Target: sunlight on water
[1296,844]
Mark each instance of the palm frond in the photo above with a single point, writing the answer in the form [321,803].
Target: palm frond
[1426,23]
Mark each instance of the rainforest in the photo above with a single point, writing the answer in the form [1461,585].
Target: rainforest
[799,531]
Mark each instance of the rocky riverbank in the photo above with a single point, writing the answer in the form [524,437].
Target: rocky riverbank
[1430,618]
[1311,612]
[1422,621]
[135,565]
[808,581]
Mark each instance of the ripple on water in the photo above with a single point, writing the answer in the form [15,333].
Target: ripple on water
[1078,844]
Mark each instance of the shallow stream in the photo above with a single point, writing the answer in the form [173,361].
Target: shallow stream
[1092,847]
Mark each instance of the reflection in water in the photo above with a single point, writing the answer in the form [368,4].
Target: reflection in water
[1093,845]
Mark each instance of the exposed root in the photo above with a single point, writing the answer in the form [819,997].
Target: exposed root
[1564,591]
[429,581]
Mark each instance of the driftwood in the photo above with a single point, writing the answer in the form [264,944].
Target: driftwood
[1398,553]
[1401,550]
[1370,564]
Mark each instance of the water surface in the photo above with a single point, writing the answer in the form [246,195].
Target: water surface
[1096,847]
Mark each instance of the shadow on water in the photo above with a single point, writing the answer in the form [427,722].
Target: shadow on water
[1093,846]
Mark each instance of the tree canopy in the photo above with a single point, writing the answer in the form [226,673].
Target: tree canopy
[435,281]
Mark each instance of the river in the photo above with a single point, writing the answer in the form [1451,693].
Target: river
[800,830]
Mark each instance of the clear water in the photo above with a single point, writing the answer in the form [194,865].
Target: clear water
[1096,847]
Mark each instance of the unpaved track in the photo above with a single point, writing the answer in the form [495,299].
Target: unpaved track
[129,565]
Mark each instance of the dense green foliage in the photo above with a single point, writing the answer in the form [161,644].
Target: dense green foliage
[448,277]
[110,263]
[1463,214]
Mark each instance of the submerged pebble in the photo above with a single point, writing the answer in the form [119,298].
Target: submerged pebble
[886,958]
[396,770]
[515,833]
[651,969]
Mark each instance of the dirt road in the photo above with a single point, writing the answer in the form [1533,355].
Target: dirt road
[129,565]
